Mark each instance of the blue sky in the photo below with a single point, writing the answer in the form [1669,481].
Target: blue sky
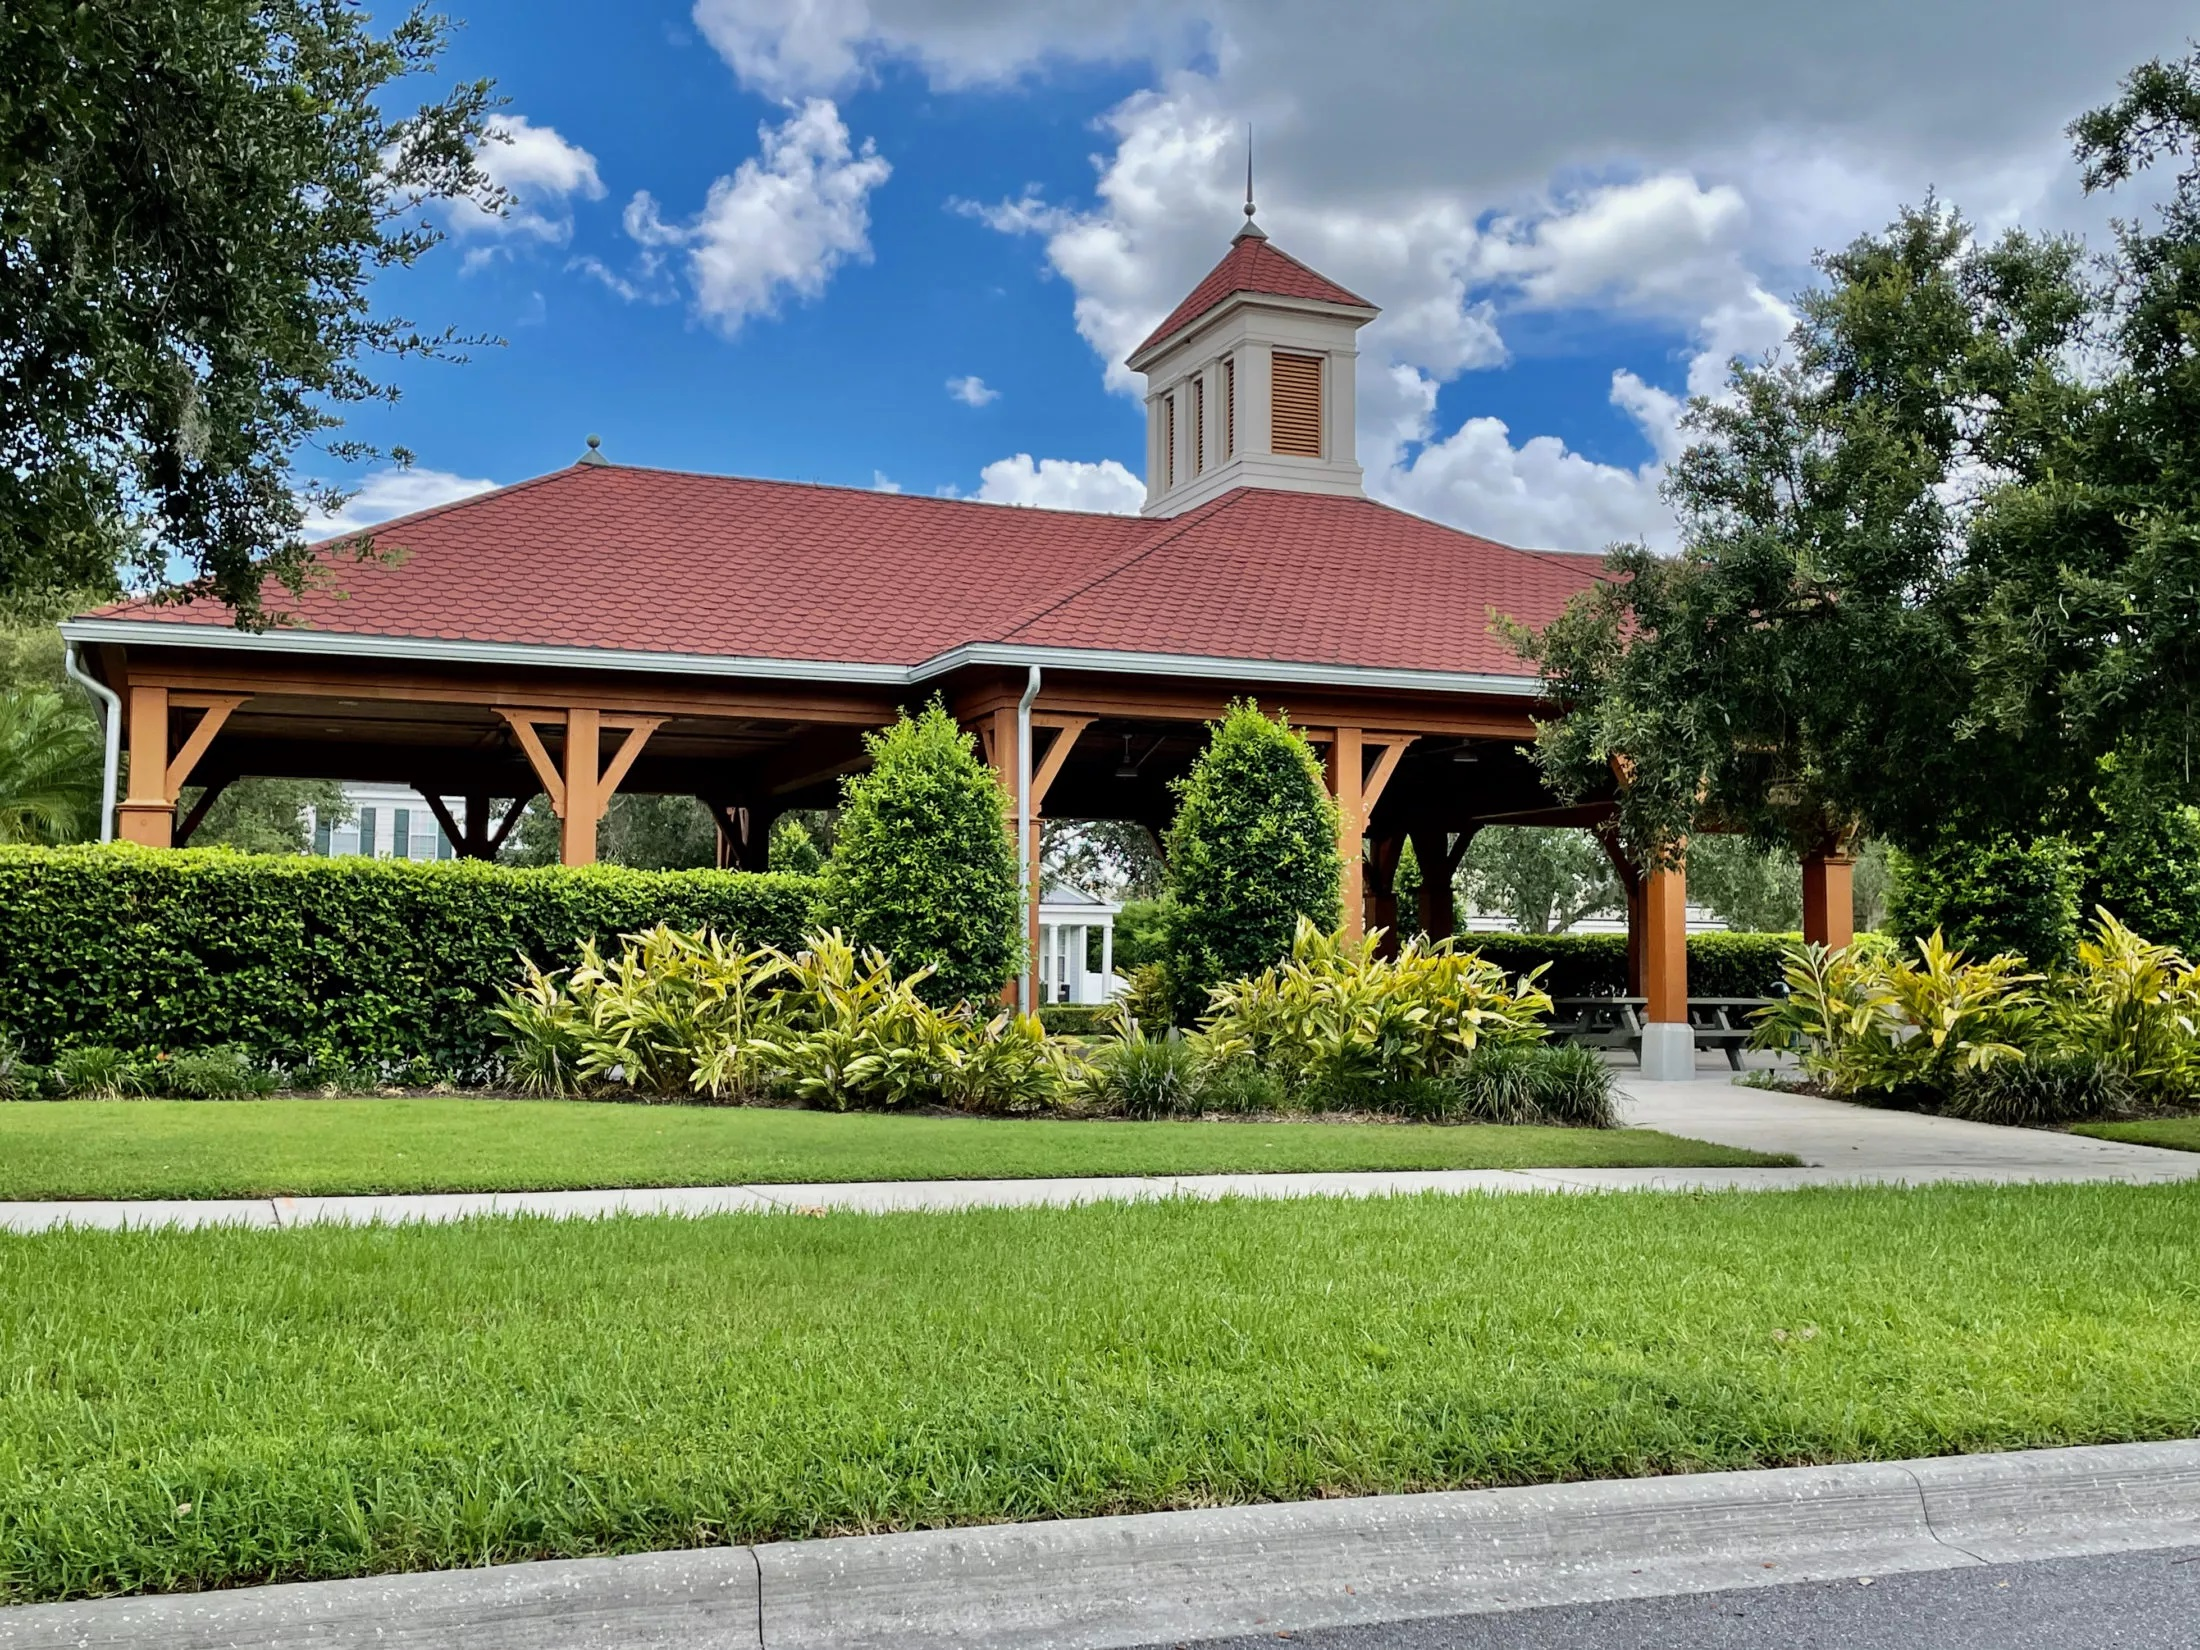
[766,236]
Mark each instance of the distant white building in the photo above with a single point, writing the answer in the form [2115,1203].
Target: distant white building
[388,822]
[1076,946]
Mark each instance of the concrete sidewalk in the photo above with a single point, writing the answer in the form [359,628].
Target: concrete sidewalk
[1839,1144]
[1163,1578]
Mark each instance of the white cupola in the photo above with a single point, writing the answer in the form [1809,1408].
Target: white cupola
[1249,381]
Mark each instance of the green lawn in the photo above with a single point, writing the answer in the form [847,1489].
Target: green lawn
[190,1409]
[2178,1134]
[180,1148]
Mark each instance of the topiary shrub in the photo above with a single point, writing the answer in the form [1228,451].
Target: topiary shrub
[1991,894]
[923,868]
[1253,850]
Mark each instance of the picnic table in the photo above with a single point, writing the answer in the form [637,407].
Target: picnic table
[1724,1023]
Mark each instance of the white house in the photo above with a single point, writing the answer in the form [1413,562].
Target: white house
[1076,946]
[388,822]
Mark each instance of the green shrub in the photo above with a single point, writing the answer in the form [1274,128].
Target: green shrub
[97,1071]
[225,1073]
[19,1078]
[1333,1016]
[2145,861]
[1146,1077]
[2132,1007]
[1251,855]
[1073,1019]
[1238,1087]
[1141,933]
[1989,896]
[1868,1020]
[922,868]
[2039,1092]
[325,964]
[677,1016]
[1595,965]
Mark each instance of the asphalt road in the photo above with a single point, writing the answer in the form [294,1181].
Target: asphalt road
[2126,1601]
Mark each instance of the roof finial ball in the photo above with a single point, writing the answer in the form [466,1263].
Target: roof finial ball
[594,455]
[1252,231]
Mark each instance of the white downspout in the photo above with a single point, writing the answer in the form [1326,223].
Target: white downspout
[111,706]
[1023,835]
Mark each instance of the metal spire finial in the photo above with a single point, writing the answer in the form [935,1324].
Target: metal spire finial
[1252,231]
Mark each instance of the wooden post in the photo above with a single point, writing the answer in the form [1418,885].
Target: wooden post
[1341,767]
[1439,857]
[148,813]
[1669,1042]
[1382,890]
[1630,881]
[583,806]
[580,787]
[1829,898]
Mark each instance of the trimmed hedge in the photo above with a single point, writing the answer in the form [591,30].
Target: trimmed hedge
[382,963]
[1595,965]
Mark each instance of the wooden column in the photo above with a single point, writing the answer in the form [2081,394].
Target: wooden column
[1382,887]
[1668,1045]
[1356,791]
[1439,855]
[1829,899]
[1630,881]
[1341,768]
[581,786]
[148,813]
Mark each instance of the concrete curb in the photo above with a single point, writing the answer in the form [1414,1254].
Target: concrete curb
[1091,1584]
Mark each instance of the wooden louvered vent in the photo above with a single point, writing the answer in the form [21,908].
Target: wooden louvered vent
[1229,406]
[1297,405]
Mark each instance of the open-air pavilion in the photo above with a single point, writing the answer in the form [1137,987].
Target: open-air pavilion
[606,627]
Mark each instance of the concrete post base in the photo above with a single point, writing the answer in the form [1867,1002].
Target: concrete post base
[1668,1051]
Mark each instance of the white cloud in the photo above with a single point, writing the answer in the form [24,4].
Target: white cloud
[384,494]
[972,391]
[1480,170]
[1062,484]
[782,223]
[881,482]
[541,174]
[788,48]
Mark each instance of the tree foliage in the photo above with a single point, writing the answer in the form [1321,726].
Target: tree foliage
[50,759]
[267,816]
[1801,667]
[1745,885]
[194,202]
[922,867]
[1252,850]
[1542,879]
[1938,557]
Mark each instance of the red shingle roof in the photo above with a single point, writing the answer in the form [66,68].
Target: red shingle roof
[1252,264]
[619,558]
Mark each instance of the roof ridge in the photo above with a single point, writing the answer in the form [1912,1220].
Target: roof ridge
[615,467]
[1175,526]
